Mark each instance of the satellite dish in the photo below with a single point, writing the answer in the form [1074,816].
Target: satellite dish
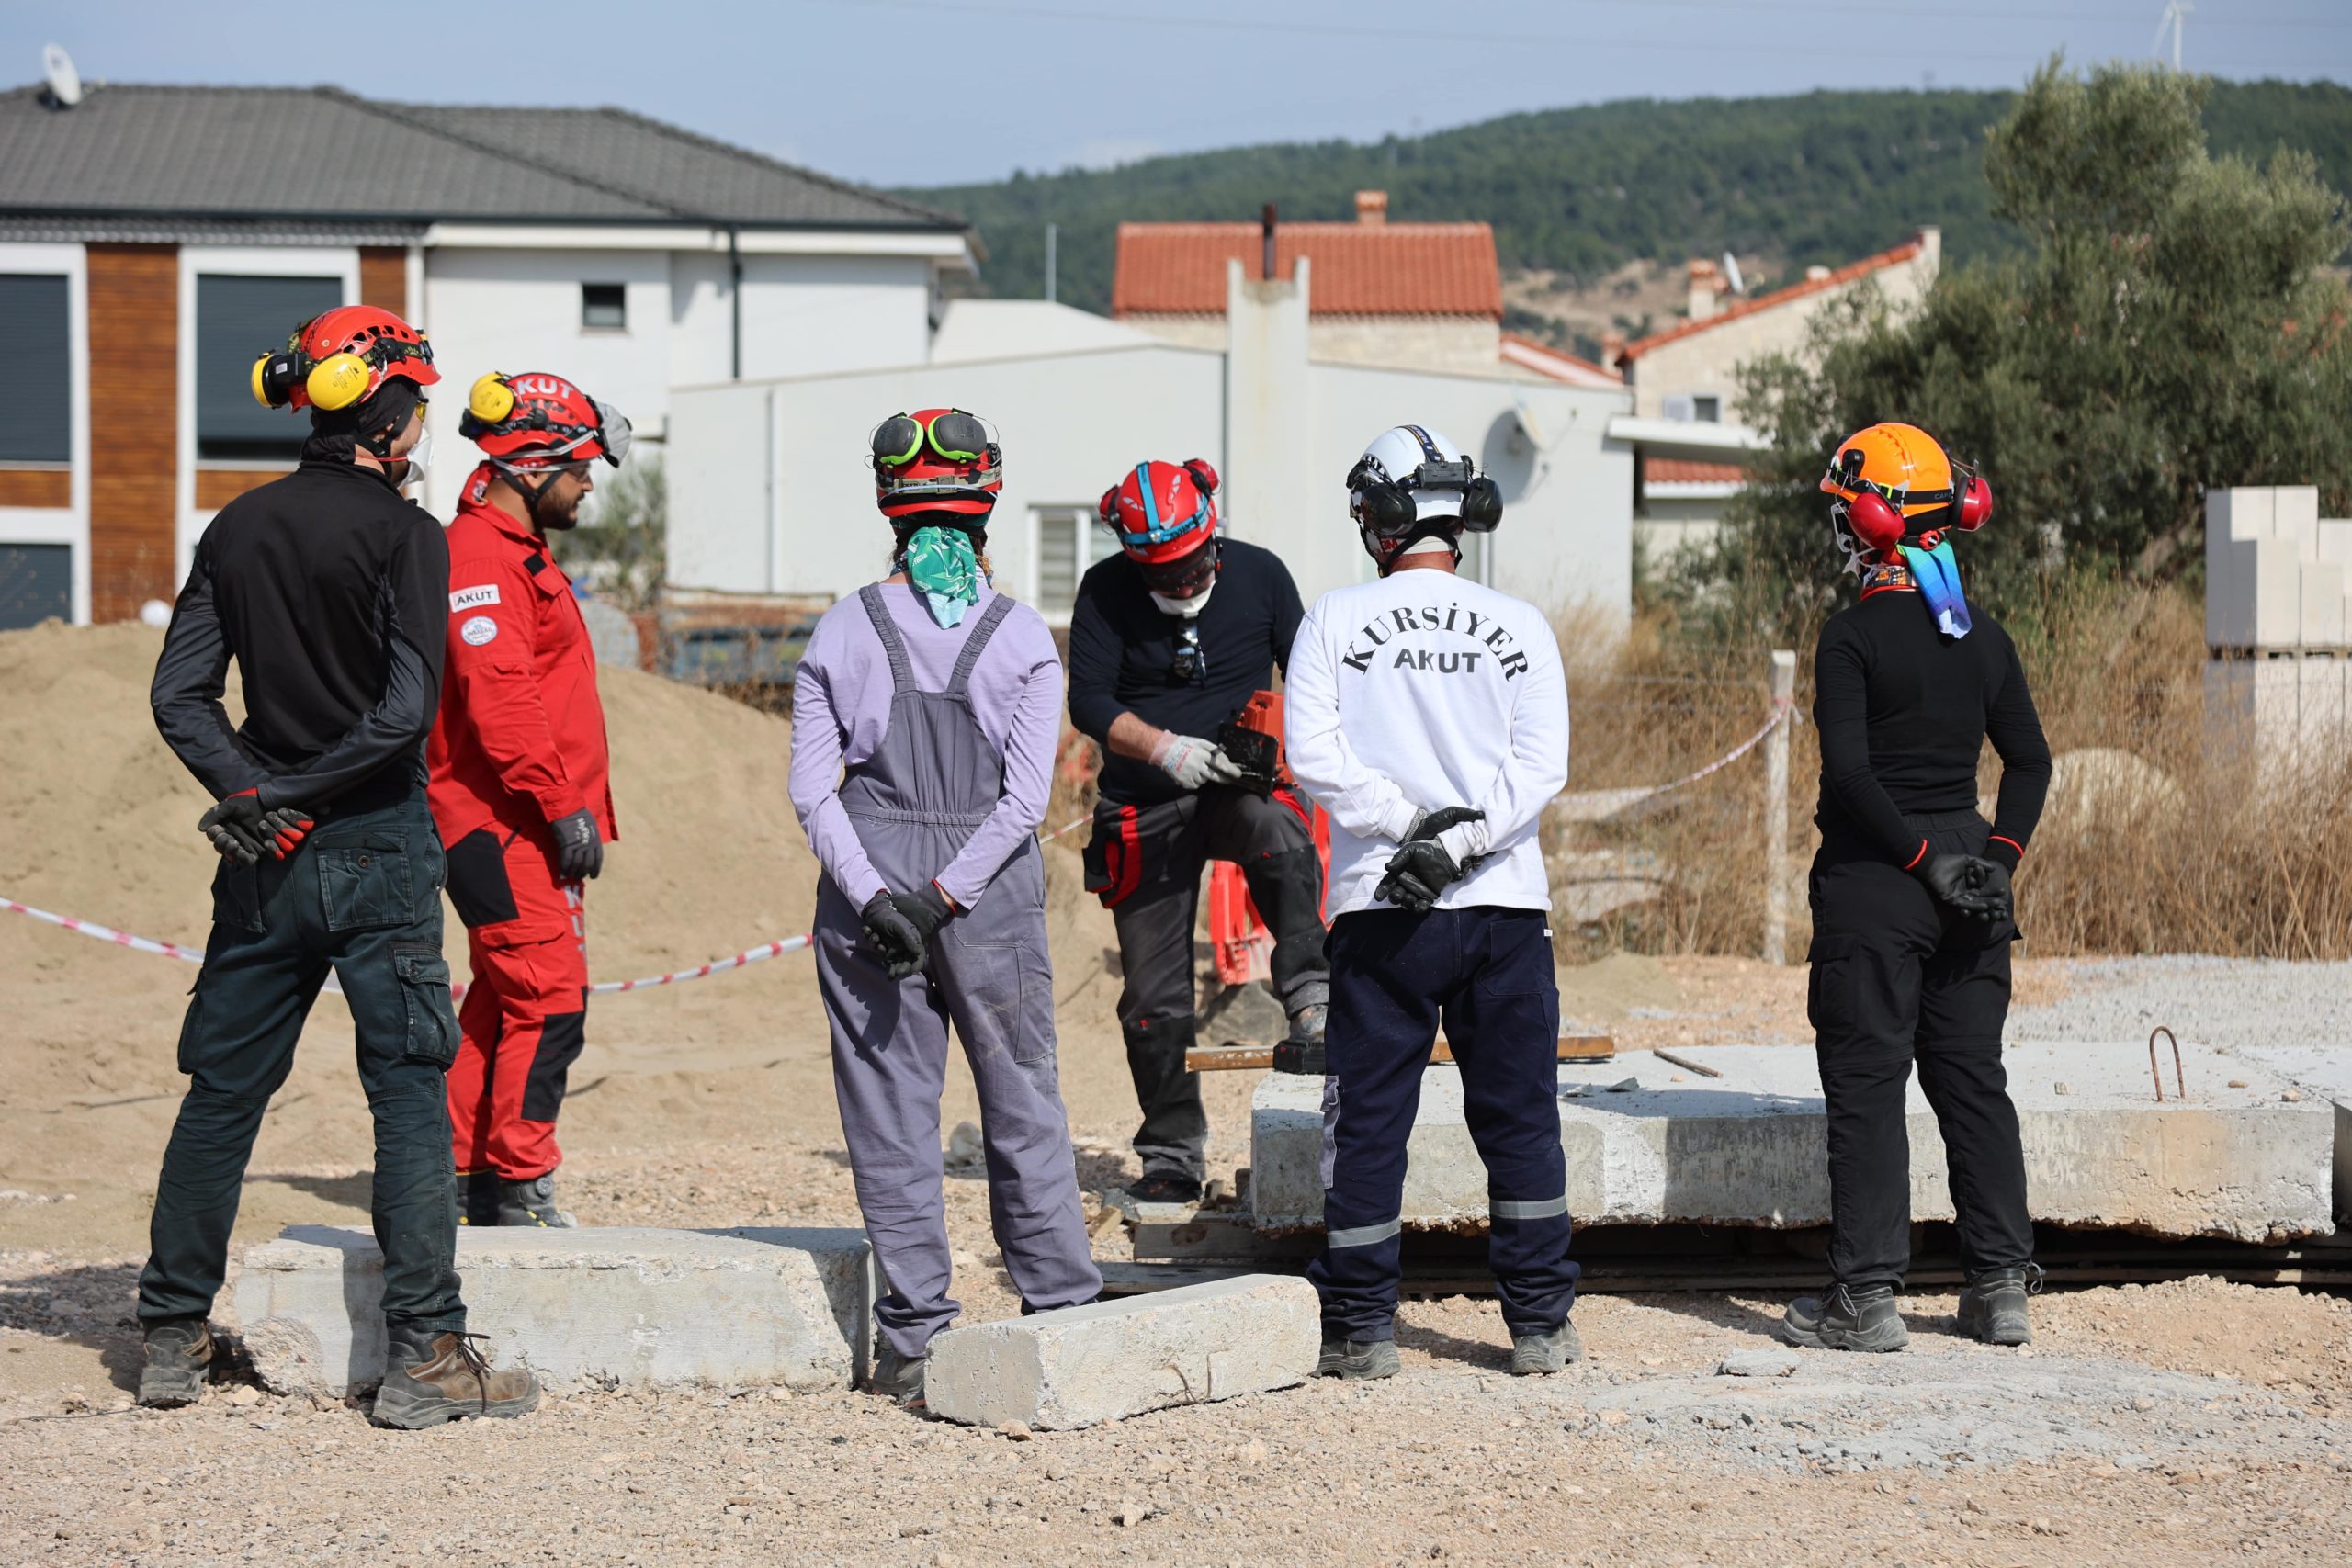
[1731,274]
[65,82]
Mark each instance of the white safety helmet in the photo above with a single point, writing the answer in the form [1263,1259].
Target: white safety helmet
[1412,483]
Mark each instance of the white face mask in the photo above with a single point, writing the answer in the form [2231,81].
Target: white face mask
[418,458]
[1186,608]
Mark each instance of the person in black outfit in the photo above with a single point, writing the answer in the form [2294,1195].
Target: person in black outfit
[1911,913]
[330,591]
[1168,640]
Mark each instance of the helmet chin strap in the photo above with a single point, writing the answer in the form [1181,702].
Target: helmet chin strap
[1447,530]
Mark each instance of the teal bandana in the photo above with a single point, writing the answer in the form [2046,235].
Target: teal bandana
[1937,577]
[944,570]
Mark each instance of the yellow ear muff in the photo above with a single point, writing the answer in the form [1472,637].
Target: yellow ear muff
[261,392]
[491,399]
[337,381]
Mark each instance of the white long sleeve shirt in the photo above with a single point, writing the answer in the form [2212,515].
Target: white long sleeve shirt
[1425,690]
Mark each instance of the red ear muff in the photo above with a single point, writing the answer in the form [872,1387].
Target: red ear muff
[1107,508]
[1974,507]
[1203,477]
[1877,524]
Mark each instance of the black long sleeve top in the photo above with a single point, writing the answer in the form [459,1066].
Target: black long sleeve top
[1122,656]
[331,592]
[1904,712]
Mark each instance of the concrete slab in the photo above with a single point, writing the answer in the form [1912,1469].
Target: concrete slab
[608,1306]
[1647,1142]
[1114,1359]
[2323,1072]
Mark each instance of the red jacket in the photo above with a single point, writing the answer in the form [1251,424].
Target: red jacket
[519,741]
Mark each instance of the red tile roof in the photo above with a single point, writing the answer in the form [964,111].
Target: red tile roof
[1688,471]
[1358,269]
[1844,275]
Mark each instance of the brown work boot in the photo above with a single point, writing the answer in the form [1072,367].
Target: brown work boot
[178,1362]
[431,1377]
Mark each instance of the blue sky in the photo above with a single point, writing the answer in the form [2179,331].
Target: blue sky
[896,92]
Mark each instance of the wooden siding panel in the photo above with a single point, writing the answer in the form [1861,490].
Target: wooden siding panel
[383,278]
[134,344]
[37,487]
[216,488]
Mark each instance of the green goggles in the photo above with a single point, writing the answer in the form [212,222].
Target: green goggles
[954,437]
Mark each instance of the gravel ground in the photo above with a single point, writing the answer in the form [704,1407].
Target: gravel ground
[2220,1001]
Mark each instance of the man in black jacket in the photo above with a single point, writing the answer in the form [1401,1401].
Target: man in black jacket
[329,589]
[1168,640]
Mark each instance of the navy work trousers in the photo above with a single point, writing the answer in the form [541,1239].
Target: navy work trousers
[1486,974]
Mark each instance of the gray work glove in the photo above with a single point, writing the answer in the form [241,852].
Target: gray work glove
[1417,873]
[234,829]
[893,937]
[1193,762]
[579,847]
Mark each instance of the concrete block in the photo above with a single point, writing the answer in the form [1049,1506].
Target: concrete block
[610,1307]
[2271,569]
[2336,541]
[2320,621]
[1114,1359]
[2323,1073]
[2222,602]
[1747,1149]
[2294,518]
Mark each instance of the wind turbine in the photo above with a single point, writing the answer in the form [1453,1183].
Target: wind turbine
[2175,14]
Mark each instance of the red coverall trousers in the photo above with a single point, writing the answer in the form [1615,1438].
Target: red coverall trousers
[522,1019]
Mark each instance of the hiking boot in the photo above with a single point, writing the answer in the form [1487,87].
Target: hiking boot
[431,1377]
[1166,1187]
[1846,1318]
[477,1197]
[1992,1307]
[180,1362]
[531,1202]
[1532,1354]
[898,1378]
[1354,1359]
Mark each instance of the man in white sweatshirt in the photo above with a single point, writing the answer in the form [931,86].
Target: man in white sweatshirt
[1428,715]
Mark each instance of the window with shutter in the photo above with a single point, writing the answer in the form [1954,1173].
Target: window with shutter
[238,319]
[36,395]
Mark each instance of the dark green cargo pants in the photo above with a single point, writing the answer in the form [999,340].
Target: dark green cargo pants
[361,896]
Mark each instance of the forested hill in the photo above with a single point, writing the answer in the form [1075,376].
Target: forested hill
[1823,177]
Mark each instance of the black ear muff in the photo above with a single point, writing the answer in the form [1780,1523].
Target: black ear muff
[1376,501]
[276,374]
[1482,505]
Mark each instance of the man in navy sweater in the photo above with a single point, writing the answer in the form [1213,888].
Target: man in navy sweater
[1169,639]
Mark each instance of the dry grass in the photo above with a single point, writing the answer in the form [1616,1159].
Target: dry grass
[2162,835]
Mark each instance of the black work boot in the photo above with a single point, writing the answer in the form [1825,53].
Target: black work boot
[179,1361]
[1532,1354]
[477,1197]
[899,1378]
[1845,1317]
[531,1202]
[1165,1187]
[1301,1050]
[432,1376]
[1992,1307]
[1352,1359]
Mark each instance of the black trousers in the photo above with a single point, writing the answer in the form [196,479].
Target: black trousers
[1896,979]
[361,896]
[1486,975]
[1145,862]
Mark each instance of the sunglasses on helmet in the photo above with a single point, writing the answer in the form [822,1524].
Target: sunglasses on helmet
[955,437]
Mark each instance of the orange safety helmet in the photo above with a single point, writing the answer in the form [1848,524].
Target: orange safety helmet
[341,356]
[1895,482]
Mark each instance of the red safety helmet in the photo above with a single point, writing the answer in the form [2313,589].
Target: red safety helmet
[536,420]
[1165,516]
[341,356]
[936,461]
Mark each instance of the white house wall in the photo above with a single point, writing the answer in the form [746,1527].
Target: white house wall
[1070,425]
[807,315]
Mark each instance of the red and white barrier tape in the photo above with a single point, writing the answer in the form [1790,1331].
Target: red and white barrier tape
[173,950]
[1064,828]
[1601,805]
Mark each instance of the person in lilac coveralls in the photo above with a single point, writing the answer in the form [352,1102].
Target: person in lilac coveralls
[924,721]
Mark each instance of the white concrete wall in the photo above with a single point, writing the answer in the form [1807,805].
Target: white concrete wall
[807,315]
[1071,424]
[1466,343]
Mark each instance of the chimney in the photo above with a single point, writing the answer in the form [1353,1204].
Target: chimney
[1266,254]
[1372,207]
[1706,280]
[1613,349]
[1815,273]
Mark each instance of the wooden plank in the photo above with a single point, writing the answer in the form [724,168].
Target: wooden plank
[1141,1278]
[1230,1057]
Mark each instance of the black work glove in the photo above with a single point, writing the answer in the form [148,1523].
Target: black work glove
[1430,824]
[235,828]
[579,847]
[1970,883]
[894,938]
[925,908]
[1418,872]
